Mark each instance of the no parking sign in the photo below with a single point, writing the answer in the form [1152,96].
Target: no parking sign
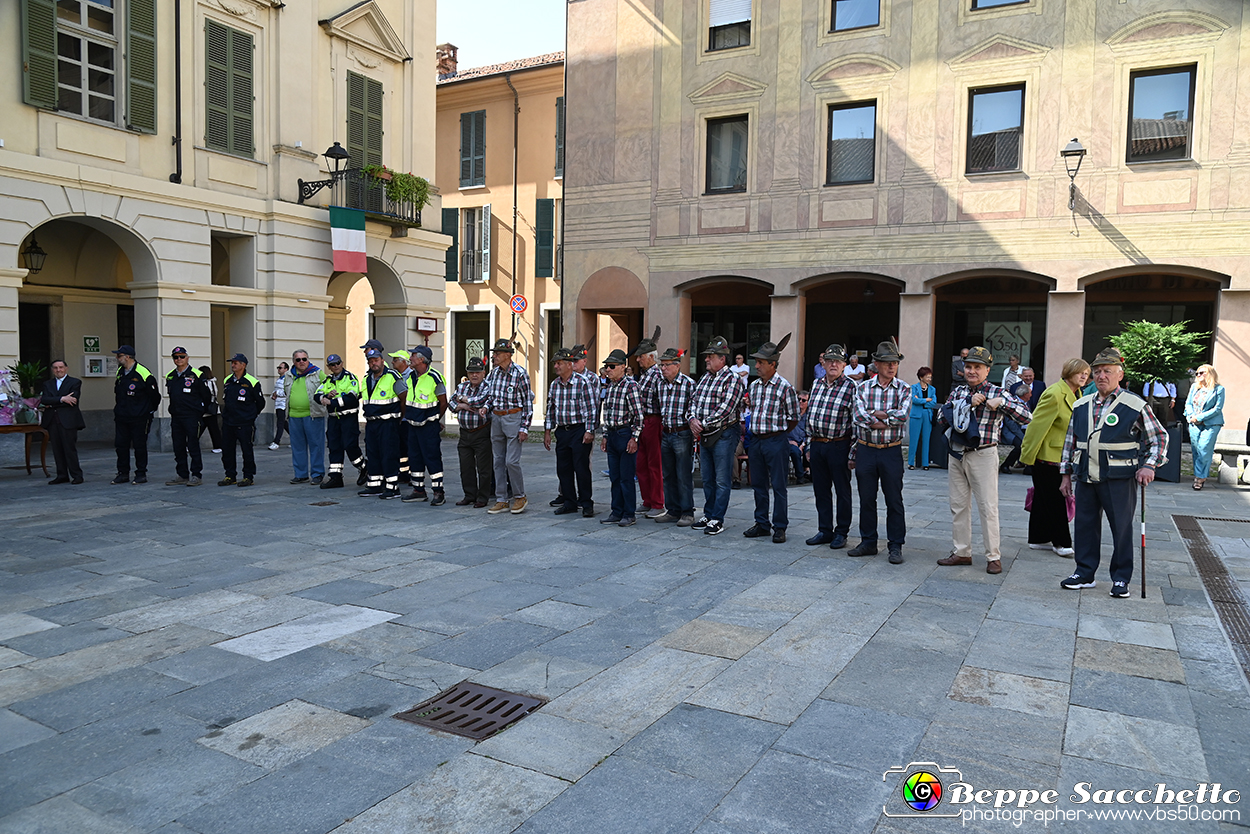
[518,303]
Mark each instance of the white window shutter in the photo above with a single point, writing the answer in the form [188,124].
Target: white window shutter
[724,12]
[486,243]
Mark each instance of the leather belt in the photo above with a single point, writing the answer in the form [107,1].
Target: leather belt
[581,426]
[983,446]
[506,413]
[676,431]
[880,445]
[767,435]
[616,428]
[470,431]
[831,439]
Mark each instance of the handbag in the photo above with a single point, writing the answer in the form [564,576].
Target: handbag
[1069,503]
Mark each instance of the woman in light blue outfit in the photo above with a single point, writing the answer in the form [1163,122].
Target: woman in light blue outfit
[1204,411]
[924,404]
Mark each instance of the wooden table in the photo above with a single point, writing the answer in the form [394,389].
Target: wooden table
[29,429]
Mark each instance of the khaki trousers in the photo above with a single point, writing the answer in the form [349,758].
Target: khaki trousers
[976,475]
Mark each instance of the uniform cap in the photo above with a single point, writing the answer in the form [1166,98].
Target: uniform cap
[239,357]
[373,344]
[476,365]
[502,346]
[425,352]
[334,359]
[372,352]
[836,352]
[647,345]
[770,352]
[717,345]
[887,351]
[1107,356]
[616,357]
[671,355]
[177,351]
[980,356]
[129,350]
[401,354]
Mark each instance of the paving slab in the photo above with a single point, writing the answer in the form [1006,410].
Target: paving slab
[1003,690]
[852,736]
[15,625]
[100,697]
[1024,649]
[1133,696]
[61,814]
[305,632]
[1158,746]
[538,674]
[282,734]
[763,688]
[553,745]
[490,644]
[1142,661]
[715,638]
[1135,632]
[18,731]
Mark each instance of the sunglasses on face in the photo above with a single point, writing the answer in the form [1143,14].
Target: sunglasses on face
[304,359]
[180,356]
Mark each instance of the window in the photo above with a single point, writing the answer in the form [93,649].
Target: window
[855,14]
[995,128]
[86,59]
[729,24]
[473,149]
[852,143]
[451,220]
[364,120]
[990,4]
[475,245]
[228,90]
[727,154]
[544,238]
[1160,114]
[559,137]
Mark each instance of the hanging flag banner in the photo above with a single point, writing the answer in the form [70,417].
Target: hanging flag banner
[347,239]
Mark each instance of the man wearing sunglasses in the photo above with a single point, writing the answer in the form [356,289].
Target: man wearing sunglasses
[188,400]
[306,420]
[340,394]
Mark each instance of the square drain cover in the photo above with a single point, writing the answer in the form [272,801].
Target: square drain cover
[472,710]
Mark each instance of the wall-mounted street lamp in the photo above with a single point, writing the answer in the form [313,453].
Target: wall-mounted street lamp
[33,256]
[335,156]
[1072,155]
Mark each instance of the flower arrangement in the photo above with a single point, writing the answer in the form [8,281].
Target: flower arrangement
[400,188]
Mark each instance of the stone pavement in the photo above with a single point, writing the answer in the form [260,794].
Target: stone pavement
[224,660]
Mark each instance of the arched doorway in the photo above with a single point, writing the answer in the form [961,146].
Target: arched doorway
[856,311]
[1160,297]
[611,305]
[739,309]
[374,308]
[1004,312]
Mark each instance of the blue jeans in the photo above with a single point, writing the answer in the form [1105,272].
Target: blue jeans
[831,477]
[717,465]
[769,463]
[621,469]
[308,446]
[675,456]
[1202,444]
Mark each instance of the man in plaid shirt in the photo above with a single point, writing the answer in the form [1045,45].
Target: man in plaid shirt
[471,402]
[774,414]
[571,414]
[973,471]
[830,410]
[882,408]
[715,420]
[650,476]
[622,426]
[512,408]
[1114,443]
[675,392]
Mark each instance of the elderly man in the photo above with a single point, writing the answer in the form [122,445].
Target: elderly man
[1036,386]
[383,392]
[676,441]
[774,414]
[830,414]
[244,401]
[957,368]
[571,411]
[716,422]
[972,469]
[512,407]
[427,402]
[340,394]
[472,407]
[882,409]
[188,400]
[1114,443]
[622,426]
[306,420]
[401,364]
[650,474]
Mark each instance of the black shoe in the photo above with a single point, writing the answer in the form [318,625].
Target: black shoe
[627,522]
[388,494]
[246,482]
[440,498]
[76,481]
[820,538]
[896,555]
[779,535]
[839,542]
[1076,582]
[333,482]
[1119,589]
[566,509]
[758,531]
[58,480]
[863,549]
[227,481]
[299,480]
[558,501]
[140,479]
[714,528]
[370,492]
[317,481]
[362,478]
[610,519]
[413,497]
[700,524]
[736,485]
[588,512]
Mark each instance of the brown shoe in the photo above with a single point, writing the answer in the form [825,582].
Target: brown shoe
[500,507]
[994,566]
[477,505]
[464,502]
[518,505]
[954,560]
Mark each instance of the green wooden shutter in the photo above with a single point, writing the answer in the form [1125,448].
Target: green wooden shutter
[217,85]
[466,149]
[479,148]
[373,122]
[560,136]
[141,65]
[242,102]
[39,53]
[544,238]
[364,120]
[451,222]
[473,149]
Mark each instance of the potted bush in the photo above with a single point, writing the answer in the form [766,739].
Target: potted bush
[29,375]
[401,188]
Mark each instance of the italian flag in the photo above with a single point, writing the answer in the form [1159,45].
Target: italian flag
[347,239]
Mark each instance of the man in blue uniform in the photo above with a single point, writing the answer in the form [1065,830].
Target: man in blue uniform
[423,412]
[340,394]
[382,399]
[188,400]
[137,397]
[243,403]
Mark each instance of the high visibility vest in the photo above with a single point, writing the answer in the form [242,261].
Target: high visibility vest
[1110,450]
[344,393]
[382,403]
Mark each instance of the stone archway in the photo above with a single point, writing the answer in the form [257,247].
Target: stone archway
[610,309]
[376,308]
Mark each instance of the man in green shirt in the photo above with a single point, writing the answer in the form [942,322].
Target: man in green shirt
[306,420]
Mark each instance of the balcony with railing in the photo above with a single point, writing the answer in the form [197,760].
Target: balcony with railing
[355,189]
[471,266]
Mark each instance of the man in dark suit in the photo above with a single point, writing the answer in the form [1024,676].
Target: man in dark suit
[63,420]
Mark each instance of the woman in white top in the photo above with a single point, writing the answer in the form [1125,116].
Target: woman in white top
[1011,374]
[279,403]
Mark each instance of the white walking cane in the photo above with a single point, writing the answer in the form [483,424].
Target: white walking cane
[1143,541]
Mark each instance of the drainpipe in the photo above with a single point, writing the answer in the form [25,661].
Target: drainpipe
[516,123]
[176,176]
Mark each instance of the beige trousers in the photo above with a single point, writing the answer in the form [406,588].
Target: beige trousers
[976,475]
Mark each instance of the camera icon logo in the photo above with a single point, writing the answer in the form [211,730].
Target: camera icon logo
[921,790]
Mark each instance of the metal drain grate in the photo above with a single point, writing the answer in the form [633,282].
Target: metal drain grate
[472,710]
[323,503]
[1226,597]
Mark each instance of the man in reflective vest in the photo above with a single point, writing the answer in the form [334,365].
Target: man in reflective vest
[340,394]
[243,403]
[423,413]
[1114,443]
[383,403]
[188,400]
[137,398]
[401,364]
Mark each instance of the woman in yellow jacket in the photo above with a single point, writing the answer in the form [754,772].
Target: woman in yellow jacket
[1042,449]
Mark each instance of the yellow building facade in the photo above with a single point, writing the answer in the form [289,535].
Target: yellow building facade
[166,156]
[500,156]
[852,170]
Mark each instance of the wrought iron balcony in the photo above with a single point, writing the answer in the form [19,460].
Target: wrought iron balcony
[355,189]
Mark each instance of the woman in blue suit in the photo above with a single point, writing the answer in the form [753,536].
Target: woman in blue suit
[1204,411]
[924,404]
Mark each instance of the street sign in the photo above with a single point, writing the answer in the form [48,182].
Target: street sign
[518,303]
[90,344]
[427,325]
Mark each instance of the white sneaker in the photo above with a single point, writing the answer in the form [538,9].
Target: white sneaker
[273,446]
[216,451]
[1033,546]
[1064,551]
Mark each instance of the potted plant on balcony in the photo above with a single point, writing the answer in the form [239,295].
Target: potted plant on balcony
[400,188]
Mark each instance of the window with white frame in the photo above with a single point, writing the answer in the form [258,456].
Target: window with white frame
[475,245]
[87,53]
[729,24]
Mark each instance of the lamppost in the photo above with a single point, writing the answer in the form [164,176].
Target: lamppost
[33,256]
[1072,155]
[336,156]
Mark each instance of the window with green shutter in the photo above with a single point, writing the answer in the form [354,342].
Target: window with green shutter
[228,83]
[364,120]
[544,238]
[473,149]
[39,86]
[451,220]
[141,65]
[560,136]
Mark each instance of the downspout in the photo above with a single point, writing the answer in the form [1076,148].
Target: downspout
[564,171]
[176,176]
[516,123]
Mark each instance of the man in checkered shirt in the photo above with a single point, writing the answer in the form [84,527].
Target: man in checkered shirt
[882,408]
[622,426]
[571,414]
[973,471]
[650,475]
[774,414]
[471,402]
[830,412]
[715,420]
[675,392]
[512,408]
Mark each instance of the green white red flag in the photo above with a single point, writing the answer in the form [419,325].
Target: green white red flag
[347,239]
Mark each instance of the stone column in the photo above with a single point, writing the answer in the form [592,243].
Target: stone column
[10,283]
[788,315]
[915,332]
[1232,361]
[1065,332]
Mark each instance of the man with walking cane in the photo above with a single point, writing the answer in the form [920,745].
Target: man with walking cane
[1114,443]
